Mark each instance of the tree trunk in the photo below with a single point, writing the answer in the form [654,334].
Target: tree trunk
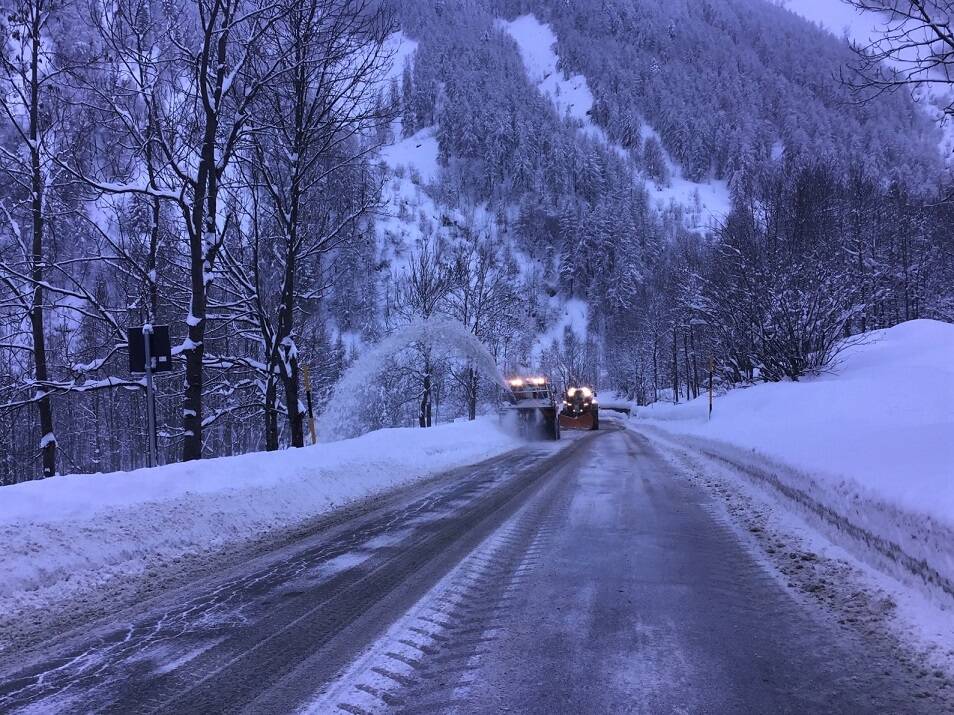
[203,236]
[289,364]
[192,403]
[430,410]
[655,367]
[905,263]
[424,416]
[271,413]
[685,354]
[862,280]
[201,240]
[152,260]
[425,399]
[695,361]
[296,420]
[41,374]
[472,394]
[675,367]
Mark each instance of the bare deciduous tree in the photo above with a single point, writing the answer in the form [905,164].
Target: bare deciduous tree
[914,48]
[307,175]
[421,289]
[483,298]
[33,61]
[198,101]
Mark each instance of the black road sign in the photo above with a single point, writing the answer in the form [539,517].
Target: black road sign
[160,349]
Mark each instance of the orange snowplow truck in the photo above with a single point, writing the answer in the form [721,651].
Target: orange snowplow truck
[580,409]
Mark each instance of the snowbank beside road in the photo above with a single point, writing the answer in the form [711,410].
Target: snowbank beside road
[64,535]
[881,425]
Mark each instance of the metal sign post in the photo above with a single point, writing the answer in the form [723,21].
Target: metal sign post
[711,370]
[150,351]
[311,412]
[150,393]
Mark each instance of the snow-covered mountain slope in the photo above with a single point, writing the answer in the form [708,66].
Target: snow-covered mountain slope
[881,425]
[413,210]
[417,153]
[570,94]
[573,98]
[863,28]
[572,315]
[411,166]
[590,146]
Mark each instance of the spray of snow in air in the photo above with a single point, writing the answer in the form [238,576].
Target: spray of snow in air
[358,386]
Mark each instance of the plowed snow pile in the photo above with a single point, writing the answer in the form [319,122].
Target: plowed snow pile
[881,424]
[64,535]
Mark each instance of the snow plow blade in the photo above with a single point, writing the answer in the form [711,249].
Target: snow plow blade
[583,422]
[580,409]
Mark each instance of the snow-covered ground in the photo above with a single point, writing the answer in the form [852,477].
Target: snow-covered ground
[417,153]
[400,50]
[710,200]
[536,41]
[66,535]
[573,98]
[881,424]
[412,164]
[818,557]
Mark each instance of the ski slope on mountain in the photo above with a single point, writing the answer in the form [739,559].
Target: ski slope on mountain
[573,99]
[881,426]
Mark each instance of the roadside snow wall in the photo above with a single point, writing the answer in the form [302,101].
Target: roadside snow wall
[884,418]
[65,535]
[871,444]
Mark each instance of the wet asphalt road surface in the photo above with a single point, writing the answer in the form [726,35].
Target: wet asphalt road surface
[586,580]
[643,601]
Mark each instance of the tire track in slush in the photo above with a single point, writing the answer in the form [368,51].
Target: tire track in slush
[422,664]
[893,552]
[280,664]
[111,670]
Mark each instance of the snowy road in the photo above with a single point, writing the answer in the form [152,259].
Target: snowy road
[589,579]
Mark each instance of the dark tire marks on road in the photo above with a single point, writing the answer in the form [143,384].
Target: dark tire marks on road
[268,636]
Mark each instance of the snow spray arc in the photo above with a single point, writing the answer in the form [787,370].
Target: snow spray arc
[359,383]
